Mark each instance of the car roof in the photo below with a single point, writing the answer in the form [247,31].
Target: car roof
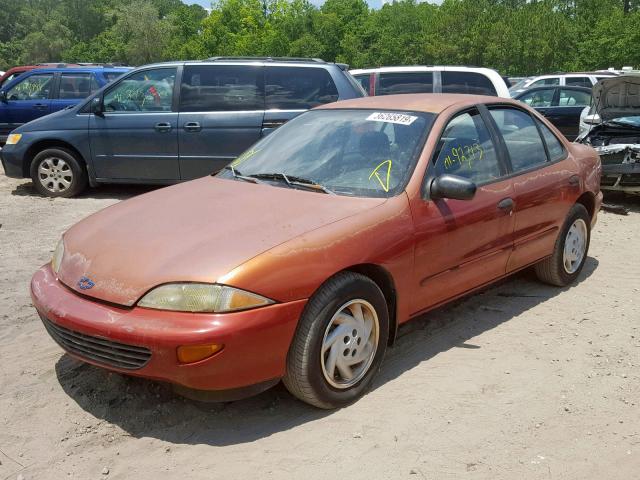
[277,61]
[80,69]
[421,68]
[416,102]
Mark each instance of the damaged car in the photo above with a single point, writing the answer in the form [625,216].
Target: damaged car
[612,126]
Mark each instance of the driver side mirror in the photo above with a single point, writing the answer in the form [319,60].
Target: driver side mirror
[452,186]
[592,119]
[3,96]
[97,107]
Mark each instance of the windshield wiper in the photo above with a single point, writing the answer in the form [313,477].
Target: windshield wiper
[293,180]
[238,175]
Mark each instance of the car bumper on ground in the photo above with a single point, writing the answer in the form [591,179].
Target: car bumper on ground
[11,156]
[143,342]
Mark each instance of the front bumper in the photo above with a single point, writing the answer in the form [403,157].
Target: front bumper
[620,168]
[12,159]
[255,342]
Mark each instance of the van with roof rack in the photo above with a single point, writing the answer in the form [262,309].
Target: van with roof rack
[171,121]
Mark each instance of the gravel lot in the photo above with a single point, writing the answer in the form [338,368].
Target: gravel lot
[520,381]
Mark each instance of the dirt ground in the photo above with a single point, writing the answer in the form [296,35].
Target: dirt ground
[520,381]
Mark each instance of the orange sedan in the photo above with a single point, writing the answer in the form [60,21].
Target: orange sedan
[300,259]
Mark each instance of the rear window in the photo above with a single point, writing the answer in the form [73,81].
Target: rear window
[405,82]
[578,81]
[298,88]
[212,88]
[467,82]
[546,81]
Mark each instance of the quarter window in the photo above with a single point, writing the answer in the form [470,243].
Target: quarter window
[298,88]
[554,147]
[225,88]
[467,82]
[578,81]
[521,137]
[466,149]
[146,91]
[35,87]
[545,81]
[76,85]
[574,98]
[405,82]
[364,81]
[538,98]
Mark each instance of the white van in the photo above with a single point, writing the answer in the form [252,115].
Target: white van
[431,79]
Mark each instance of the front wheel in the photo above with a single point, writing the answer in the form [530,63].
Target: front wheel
[340,342]
[57,172]
[570,251]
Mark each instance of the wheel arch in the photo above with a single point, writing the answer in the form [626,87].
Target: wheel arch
[381,277]
[588,201]
[41,145]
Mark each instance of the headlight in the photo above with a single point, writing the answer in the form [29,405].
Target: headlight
[58,253]
[13,138]
[201,297]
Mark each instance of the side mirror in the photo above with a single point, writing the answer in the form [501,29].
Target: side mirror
[3,96]
[452,186]
[592,119]
[97,106]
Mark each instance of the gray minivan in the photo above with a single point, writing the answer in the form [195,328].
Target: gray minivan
[169,122]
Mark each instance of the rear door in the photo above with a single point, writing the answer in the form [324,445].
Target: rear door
[290,91]
[73,87]
[545,186]
[567,106]
[136,138]
[221,113]
[463,244]
[28,99]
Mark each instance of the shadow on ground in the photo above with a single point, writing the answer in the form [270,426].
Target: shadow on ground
[150,409]
[110,191]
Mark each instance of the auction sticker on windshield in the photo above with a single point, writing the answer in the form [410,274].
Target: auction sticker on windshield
[391,117]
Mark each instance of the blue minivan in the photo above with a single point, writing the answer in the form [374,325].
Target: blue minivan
[169,122]
[42,91]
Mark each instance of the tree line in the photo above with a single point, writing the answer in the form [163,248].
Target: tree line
[516,37]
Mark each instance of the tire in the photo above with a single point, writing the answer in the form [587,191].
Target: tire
[561,270]
[325,317]
[58,172]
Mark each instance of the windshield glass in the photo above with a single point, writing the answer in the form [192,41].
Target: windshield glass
[368,153]
[633,121]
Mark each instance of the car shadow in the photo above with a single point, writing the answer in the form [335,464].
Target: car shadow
[151,409]
[105,192]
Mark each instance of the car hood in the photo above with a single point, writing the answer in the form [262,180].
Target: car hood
[193,232]
[48,122]
[617,97]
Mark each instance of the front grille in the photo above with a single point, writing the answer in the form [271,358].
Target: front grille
[105,352]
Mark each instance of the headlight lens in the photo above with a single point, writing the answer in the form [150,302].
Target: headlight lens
[58,253]
[13,138]
[201,297]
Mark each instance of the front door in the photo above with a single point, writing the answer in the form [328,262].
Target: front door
[26,100]
[136,137]
[221,113]
[460,244]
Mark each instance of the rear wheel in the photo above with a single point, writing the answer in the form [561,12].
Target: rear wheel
[57,172]
[339,343]
[570,252]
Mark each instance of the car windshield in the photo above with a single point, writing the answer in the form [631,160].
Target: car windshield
[367,153]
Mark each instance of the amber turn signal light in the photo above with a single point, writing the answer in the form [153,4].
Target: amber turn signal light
[195,353]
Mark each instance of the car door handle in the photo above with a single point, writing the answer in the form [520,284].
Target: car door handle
[192,127]
[163,127]
[273,123]
[40,106]
[506,205]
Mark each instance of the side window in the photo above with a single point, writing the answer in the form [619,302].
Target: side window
[298,88]
[35,87]
[407,82]
[521,137]
[221,88]
[554,146]
[466,149]
[574,98]
[363,80]
[538,98]
[75,85]
[467,82]
[578,82]
[146,91]
[546,81]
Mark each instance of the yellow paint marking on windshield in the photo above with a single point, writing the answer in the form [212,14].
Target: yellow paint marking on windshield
[384,185]
[245,156]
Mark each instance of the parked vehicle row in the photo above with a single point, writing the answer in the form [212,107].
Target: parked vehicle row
[575,79]
[300,259]
[168,122]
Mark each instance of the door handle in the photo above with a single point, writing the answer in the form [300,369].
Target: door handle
[163,127]
[40,106]
[574,180]
[506,205]
[192,127]
[273,123]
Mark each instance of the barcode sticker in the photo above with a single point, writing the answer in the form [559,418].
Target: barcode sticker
[391,117]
